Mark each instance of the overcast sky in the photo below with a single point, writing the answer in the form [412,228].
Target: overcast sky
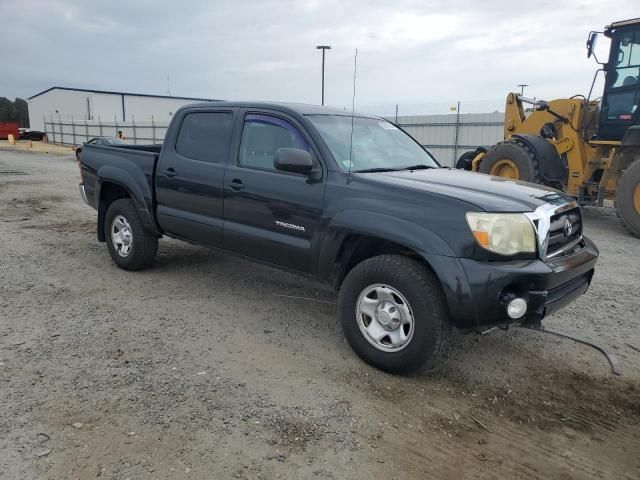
[422,55]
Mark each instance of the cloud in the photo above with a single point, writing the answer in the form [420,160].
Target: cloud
[422,55]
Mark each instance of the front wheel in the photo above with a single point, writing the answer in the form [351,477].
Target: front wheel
[393,315]
[131,246]
[512,159]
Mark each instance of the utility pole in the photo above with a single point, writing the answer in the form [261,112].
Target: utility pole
[323,48]
[457,134]
[522,86]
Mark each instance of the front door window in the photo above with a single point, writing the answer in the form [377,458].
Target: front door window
[262,136]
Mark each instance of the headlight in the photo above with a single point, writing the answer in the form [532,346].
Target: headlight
[503,233]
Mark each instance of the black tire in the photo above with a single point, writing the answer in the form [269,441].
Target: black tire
[78,154]
[520,154]
[625,206]
[420,287]
[144,244]
[465,160]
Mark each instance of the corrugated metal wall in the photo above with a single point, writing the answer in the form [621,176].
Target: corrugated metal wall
[449,136]
[75,106]
[446,136]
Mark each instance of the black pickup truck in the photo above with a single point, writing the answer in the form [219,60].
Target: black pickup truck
[355,202]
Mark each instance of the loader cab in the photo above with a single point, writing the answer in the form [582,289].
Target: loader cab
[621,97]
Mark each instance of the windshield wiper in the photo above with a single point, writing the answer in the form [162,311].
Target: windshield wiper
[420,166]
[377,169]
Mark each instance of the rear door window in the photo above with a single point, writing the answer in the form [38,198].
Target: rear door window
[205,136]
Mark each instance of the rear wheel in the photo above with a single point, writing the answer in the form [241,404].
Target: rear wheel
[465,161]
[512,159]
[131,246]
[393,314]
[628,198]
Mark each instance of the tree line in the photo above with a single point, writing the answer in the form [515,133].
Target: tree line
[16,111]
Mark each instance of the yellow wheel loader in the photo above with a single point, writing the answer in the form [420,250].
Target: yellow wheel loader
[587,148]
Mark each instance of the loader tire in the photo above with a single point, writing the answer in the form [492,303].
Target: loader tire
[512,159]
[465,161]
[628,199]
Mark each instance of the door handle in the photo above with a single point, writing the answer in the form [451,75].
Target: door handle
[236,184]
[170,172]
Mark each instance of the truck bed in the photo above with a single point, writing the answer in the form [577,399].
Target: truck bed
[143,157]
[150,148]
[119,161]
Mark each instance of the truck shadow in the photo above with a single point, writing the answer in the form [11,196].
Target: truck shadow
[497,354]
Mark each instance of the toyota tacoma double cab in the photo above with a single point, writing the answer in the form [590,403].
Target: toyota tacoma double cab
[356,203]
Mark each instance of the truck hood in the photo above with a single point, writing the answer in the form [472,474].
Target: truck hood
[492,194]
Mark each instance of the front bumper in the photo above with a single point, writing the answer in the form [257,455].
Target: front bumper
[477,291]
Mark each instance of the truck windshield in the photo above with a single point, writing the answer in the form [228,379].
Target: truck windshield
[377,145]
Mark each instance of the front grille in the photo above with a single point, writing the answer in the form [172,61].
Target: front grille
[558,238]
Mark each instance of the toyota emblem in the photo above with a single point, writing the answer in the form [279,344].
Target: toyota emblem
[568,227]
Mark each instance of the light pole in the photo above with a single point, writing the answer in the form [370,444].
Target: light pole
[323,48]
[522,85]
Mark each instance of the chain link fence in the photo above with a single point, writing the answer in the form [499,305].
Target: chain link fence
[447,136]
[75,132]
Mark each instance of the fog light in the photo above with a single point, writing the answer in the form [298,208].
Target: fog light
[516,308]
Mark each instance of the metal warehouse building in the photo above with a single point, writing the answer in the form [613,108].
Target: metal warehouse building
[70,116]
[76,104]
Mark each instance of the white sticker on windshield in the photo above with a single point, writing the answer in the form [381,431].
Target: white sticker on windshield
[387,125]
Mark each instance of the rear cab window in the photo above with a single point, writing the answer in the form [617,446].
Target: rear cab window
[205,136]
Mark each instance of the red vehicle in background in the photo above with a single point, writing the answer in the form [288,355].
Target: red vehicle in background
[7,129]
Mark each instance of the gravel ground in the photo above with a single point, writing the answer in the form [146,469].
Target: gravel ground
[204,366]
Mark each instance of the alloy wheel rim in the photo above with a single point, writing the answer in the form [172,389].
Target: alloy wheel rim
[385,318]
[636,198]
[121,235]
[505,168]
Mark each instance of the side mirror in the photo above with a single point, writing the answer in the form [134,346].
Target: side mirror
[591,43]
[293,160]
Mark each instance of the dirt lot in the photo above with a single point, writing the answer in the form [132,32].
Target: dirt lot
[205,366]
[37,147]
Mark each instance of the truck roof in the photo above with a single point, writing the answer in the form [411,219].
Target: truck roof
[288,107]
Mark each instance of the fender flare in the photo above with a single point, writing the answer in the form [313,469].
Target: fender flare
[137,188]
[553,168]
[431,248]
[385,227]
